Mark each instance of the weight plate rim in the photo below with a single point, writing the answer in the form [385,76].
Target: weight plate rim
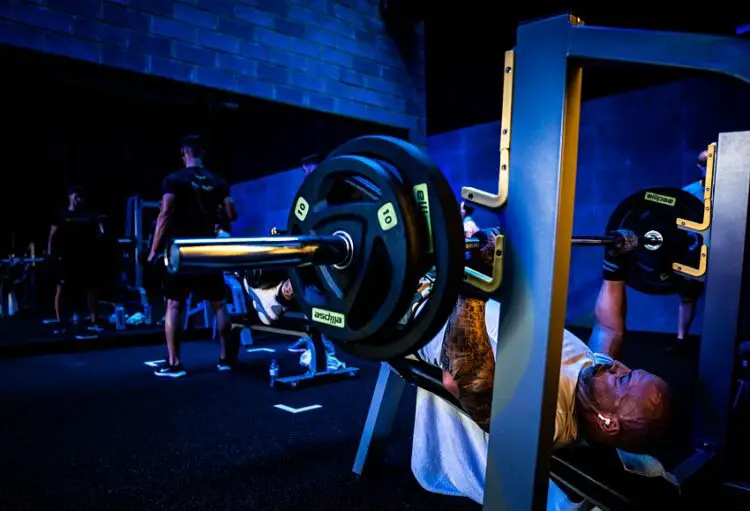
[411,237]
[453,281]
[636,283]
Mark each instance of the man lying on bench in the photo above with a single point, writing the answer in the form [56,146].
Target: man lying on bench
[600,400]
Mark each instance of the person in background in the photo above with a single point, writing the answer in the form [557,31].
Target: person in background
[691,290]
[611,304]
[470,227]
[72,239]
[189,205]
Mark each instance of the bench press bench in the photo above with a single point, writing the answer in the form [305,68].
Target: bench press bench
[594,473]
[294,324]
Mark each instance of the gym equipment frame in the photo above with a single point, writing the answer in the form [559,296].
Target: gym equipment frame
[540,121]
[544,139]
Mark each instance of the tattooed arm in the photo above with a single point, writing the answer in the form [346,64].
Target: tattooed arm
[467,360]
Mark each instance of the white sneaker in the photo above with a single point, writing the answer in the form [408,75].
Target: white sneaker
[265,303]
[302,345]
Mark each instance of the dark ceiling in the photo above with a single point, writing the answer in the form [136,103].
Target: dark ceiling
[465,47]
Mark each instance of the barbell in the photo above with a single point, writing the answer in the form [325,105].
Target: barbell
[377,215]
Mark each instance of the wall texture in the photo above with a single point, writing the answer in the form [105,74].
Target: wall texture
[627,142]
[264,203]
[336,57]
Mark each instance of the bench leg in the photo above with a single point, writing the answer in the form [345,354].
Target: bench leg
[383,408]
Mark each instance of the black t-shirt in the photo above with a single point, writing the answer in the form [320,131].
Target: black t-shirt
[77,232]
[199,197]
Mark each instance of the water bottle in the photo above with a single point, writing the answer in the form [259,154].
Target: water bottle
[147,314]
[273,371]
[120,317]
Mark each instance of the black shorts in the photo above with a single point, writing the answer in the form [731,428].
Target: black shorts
[690,289]
[209,286]
[77,272]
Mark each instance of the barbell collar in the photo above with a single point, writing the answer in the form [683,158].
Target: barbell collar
[231,254]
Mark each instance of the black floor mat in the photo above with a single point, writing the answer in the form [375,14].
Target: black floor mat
[98,431]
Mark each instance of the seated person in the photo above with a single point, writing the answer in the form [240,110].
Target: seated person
[600,400]
[272,301]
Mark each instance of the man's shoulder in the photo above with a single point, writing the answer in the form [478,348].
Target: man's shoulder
[202,173]
[176,175]
[175,180]
[214,177]
[693,185]
[61,214]
[695,188]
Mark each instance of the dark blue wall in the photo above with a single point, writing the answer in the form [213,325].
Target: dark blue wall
[264,203]
[627,142]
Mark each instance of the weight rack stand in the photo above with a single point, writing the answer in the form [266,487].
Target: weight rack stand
[539,137]
[318,370]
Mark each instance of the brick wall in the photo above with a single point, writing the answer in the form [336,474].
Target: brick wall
[337,57]
[627,142]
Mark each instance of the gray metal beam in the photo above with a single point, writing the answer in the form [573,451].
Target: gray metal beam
[383,408]
[539,220]
[728,56]
[721,313]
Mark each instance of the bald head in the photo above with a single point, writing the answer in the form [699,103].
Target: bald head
[702,161]
[624,408]
[703,157]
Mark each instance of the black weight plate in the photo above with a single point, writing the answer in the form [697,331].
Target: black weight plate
[655,211]
[441,244]
[357,196]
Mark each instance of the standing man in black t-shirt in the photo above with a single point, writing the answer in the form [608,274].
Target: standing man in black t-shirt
[191,200]
[73,240]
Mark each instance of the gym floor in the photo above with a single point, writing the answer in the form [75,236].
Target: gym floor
[96,430]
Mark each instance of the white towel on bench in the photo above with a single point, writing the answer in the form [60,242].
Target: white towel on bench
[449,450]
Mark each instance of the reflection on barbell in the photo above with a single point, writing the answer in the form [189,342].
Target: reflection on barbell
[22,260]
[228,254]
[201,255]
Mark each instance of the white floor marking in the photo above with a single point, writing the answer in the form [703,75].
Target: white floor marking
[297,410]
[155,363]
[267,350]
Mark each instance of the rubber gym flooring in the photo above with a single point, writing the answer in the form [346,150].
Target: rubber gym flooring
[96,430]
